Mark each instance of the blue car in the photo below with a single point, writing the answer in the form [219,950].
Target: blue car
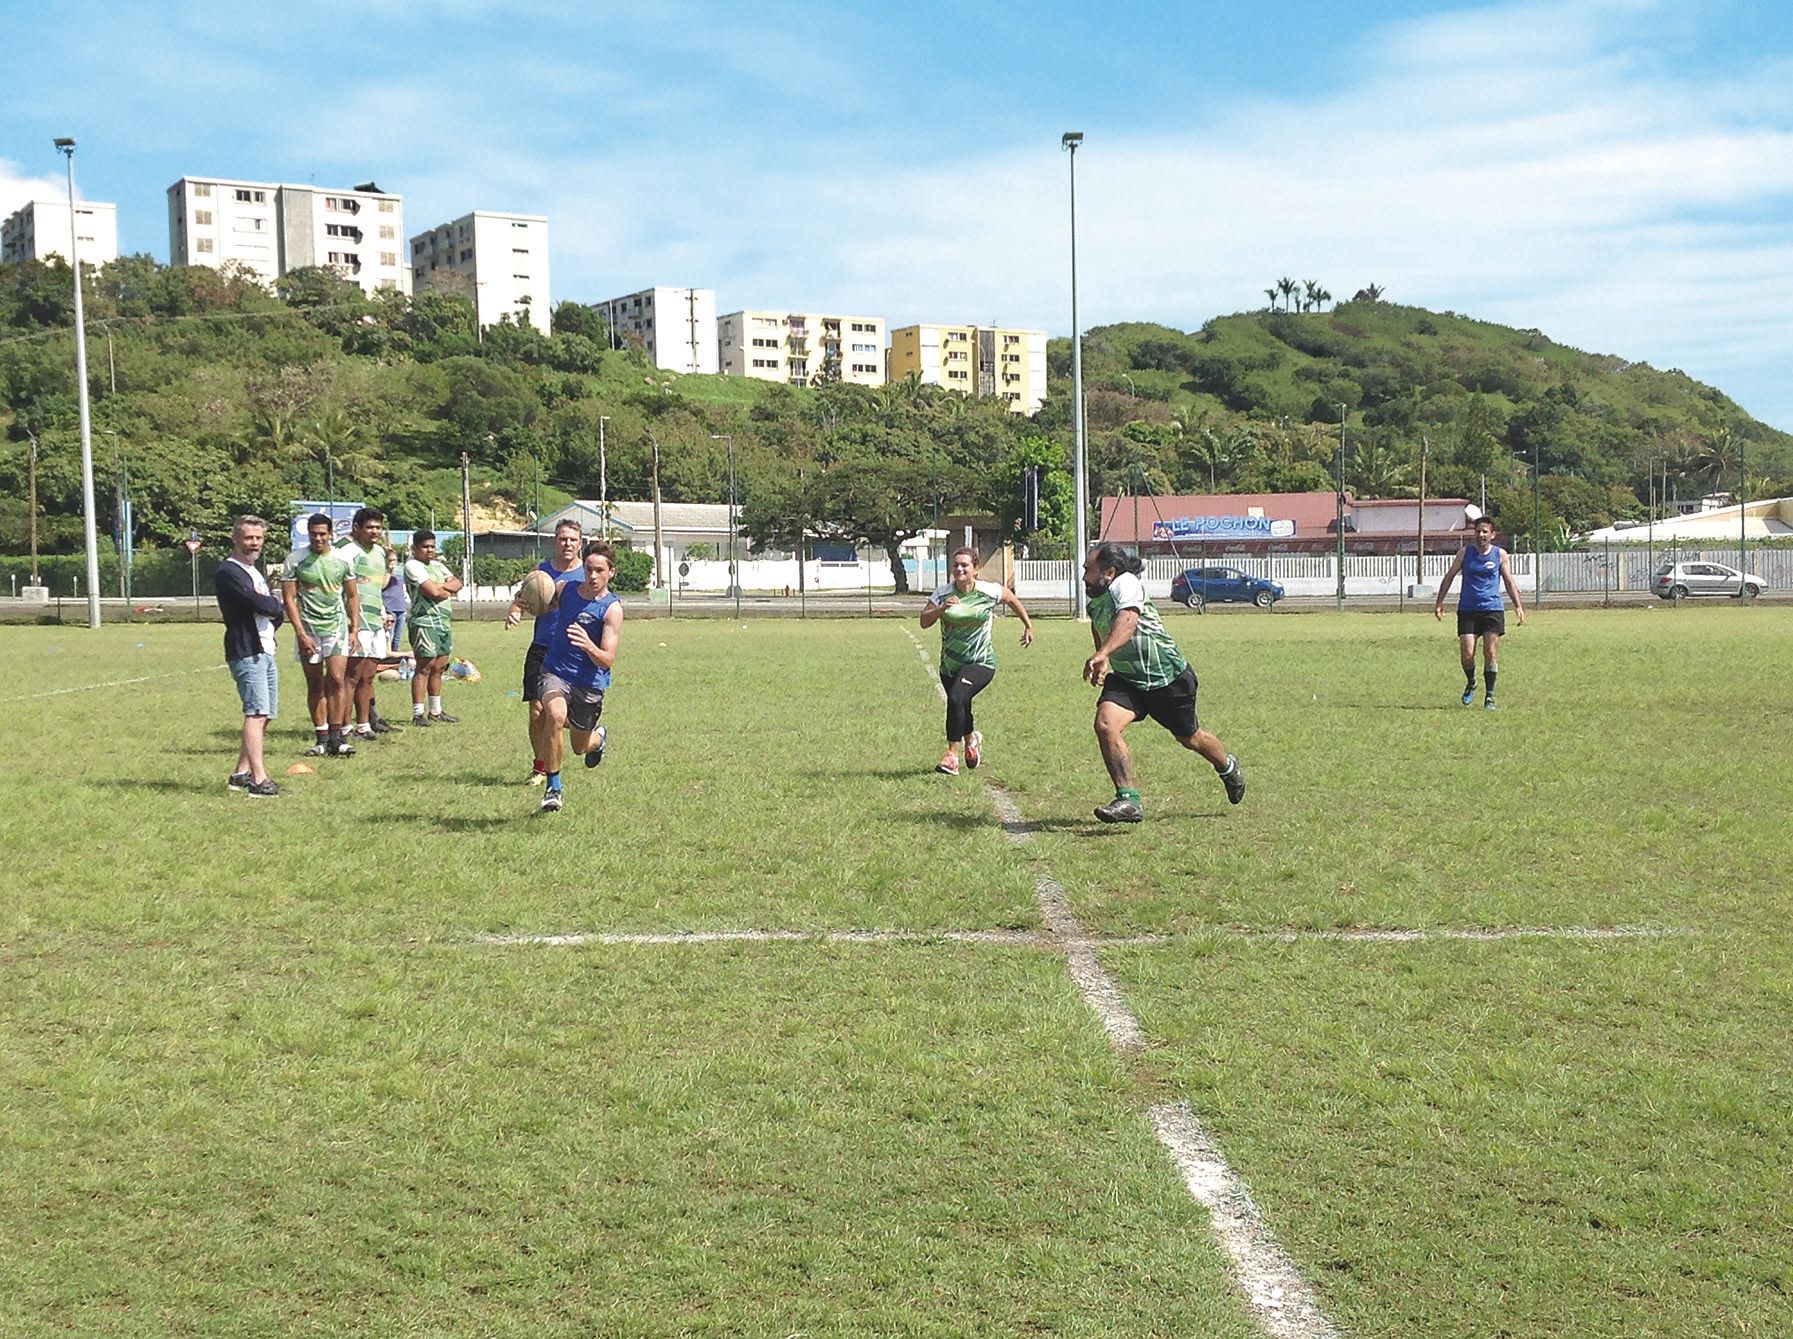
[1224,585]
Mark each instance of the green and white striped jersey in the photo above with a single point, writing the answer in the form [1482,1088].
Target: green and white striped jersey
[427,614]
[965,625]
[1150,658]
[368,567]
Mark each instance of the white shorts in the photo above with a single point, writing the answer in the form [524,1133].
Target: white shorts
[329,644]
[371,642]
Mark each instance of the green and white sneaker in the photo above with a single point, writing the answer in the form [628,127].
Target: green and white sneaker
[1121,809]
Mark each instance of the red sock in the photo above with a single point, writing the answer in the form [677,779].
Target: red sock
[541,767]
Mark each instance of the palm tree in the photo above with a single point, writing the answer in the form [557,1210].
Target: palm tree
[1270,293]
[1321,298]
[1368,293]
[1717,458]
[1310,295]
[1378,468]
[1287,288]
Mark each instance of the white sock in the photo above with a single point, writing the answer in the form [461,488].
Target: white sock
[435,704]
[417,709]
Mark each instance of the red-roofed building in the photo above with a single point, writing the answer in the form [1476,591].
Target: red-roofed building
[1262,523]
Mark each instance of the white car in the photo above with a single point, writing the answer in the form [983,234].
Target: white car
[1676,581]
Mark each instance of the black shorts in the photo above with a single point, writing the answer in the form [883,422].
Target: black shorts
[1172,706]
[584,705]
[1480,622]
[532,672]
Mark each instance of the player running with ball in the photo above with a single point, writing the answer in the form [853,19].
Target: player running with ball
[585,629]
[963,608]
[1141,673]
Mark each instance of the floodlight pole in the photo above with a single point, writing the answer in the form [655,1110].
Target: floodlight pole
[1537,526]
[1339,522]
[603,478]
[1080,465]
[66,147]
[1742,521]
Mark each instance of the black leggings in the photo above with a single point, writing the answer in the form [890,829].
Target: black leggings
[960,689]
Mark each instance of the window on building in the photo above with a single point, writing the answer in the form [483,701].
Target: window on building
[248,197]
[248,225]
[202,189]
[388,232]
[202,216]
[389,258]
[959,376]
[203,244]
[388,206]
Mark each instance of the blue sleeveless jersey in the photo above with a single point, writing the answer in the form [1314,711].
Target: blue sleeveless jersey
[563,659]
[1481,580]
[543,620]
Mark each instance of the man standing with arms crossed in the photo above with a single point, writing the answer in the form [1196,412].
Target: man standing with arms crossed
[251,614]
[318,590]
[432,587]
[1480,614]
[1141,673]
[564,566]
[370,647]
[585,631]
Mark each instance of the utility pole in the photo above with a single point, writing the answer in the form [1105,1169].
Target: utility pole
[1339,522]
[603,479]
[1419,567]
[1537,527]
[66,147]
[35,579]
[659,542]
[1742,520]
[466,524]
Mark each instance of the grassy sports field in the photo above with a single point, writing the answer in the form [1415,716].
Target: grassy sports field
[264,1070]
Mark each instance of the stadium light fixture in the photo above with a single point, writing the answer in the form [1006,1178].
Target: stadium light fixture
[1080,466]
[734,559]
[66,147]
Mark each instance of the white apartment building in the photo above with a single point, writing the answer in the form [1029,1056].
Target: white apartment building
[39,229]
[274,228]
[677,326]
[976,360]
[500,261]
[802,348]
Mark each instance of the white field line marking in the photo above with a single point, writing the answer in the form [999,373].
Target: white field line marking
[1279,1298]
[114,683]
[1056,940]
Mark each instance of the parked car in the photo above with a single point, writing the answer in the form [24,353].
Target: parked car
[1225,585]
[1676,581]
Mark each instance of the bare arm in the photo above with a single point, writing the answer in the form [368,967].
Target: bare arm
[1013,601]
[1444,587]
[930,612]
[1506,576]
[351,596]
[289,596]
[604,650]
[1095,669]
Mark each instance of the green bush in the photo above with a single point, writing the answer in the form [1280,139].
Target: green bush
[633,568]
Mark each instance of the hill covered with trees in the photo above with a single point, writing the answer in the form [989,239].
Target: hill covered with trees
[216,396]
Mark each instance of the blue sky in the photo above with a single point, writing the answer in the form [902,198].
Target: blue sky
[1616,173]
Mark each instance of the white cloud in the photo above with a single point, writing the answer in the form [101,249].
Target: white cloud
[18,186]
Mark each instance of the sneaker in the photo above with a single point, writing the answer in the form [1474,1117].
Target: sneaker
[949,765]
[386,727]
[1234,780]
[1489,705]
[974,749]
[595,756]
[1469,696]
[536,778]
[262,790]
[420,720]
[317,750]
[1121,809]
[239,781]
[361,732]
[444,718]
[341,750]
[551,801]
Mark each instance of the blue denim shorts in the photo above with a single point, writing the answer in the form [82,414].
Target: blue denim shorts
[258,682]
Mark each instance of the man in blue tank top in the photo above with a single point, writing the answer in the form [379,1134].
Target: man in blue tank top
[585,628]
[563,566]
[1480,613]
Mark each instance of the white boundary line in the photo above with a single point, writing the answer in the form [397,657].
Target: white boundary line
[114,683]
[1280,1300]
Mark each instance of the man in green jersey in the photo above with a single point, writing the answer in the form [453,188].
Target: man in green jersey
[963,608]
[318,589]
[432,586]
[1141,673]
[370,646]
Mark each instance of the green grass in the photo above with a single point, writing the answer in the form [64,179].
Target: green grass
[260,1074]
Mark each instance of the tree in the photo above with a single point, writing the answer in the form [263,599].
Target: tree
[1368,293]
[1270,293]
[1286,287]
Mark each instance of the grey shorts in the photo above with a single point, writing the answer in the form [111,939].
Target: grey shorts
[584,705]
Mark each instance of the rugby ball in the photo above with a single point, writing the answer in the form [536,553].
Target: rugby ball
[1472,513]
[536,593]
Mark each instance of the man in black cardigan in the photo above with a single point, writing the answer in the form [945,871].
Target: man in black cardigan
[251,613]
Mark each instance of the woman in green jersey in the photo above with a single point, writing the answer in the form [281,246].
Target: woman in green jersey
[964,607]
